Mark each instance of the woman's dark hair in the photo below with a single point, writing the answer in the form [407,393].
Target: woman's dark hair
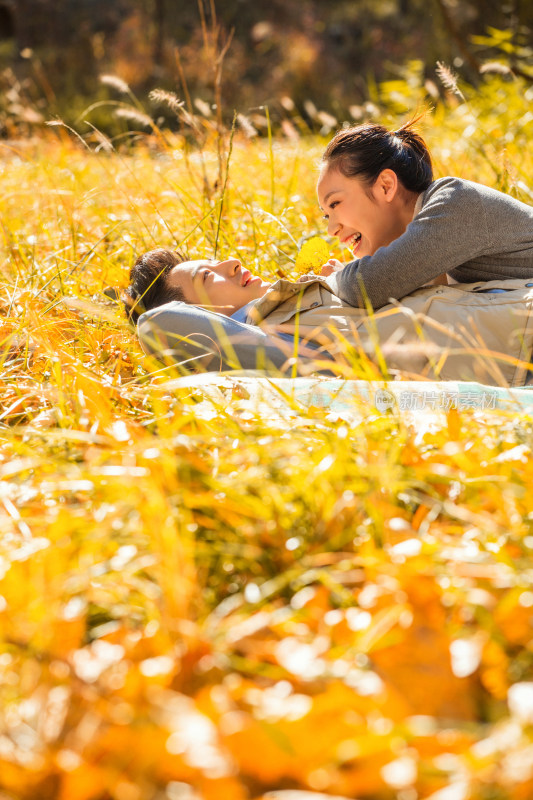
[363,151]
[148,282]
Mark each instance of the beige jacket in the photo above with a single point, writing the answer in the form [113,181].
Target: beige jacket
[458,332]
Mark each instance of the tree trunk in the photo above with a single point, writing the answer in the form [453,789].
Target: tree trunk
[159,24]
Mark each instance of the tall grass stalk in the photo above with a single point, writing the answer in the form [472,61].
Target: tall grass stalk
[204,593]
[224,186]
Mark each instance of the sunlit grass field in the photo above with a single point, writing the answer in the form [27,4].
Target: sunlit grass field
[230,605]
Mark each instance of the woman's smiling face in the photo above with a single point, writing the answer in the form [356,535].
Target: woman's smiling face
[362,218]
[222,286]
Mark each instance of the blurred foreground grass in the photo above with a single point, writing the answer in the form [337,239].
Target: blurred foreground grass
[200,606]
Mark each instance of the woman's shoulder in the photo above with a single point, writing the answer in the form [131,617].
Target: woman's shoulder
[452,199]
[469,193]
[452,187]
[457,203]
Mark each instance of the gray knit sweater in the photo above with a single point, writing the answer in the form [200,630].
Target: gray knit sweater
[466,229]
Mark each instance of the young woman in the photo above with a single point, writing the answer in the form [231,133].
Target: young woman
[377,192]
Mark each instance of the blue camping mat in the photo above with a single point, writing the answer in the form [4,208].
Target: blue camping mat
[341,395]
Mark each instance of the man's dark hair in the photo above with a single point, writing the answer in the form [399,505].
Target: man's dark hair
[148,282]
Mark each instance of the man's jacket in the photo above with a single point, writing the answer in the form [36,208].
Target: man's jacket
[477,331]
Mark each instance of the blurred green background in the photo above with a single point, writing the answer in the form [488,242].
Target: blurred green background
[310,58]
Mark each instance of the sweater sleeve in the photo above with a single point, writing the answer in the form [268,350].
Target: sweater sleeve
[449,230]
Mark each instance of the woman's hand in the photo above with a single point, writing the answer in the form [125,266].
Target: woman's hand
[333,265]
[327,269]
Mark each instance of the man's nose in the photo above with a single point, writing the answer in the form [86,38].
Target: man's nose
[229,266]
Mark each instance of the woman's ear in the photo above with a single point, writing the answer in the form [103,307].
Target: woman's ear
[387,185]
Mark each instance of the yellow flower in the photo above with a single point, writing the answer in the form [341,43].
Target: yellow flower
[313,254]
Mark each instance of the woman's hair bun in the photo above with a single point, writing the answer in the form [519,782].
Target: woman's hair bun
[363,151]
[401,133]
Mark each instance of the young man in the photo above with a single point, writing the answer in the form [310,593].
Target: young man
[194,312]
[215,314]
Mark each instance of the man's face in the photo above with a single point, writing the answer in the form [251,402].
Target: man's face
[222,286]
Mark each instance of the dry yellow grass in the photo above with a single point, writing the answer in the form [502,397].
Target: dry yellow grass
[226,605]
